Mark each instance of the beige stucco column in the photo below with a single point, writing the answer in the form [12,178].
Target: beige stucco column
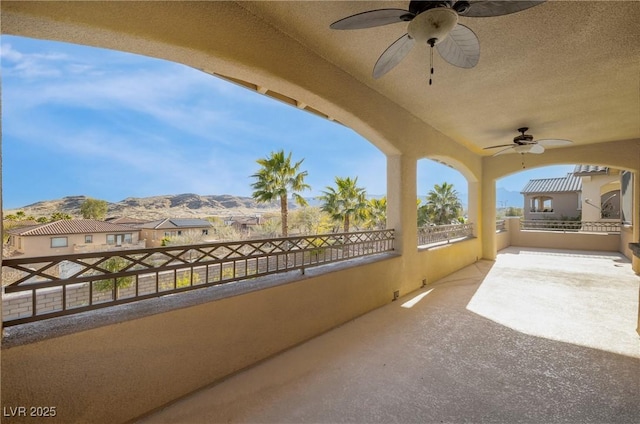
[488,217]
[474,213]
[402,212]
[635,261]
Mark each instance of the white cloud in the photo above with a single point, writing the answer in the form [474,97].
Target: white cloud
[30,65]
[120,118]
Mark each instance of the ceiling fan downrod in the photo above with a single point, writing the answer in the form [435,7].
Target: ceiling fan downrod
[431,42]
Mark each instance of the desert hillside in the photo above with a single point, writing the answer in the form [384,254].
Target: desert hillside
[186,205]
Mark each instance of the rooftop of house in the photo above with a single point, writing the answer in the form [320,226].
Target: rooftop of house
[125,220]
[70,226]
[587,170]
[174,223]
[569,184]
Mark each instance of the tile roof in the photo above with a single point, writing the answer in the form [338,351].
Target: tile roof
[124,220]
[70,226]
[176,223]
[569,184]
[590,170]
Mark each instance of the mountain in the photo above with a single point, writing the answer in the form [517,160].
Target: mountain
[186,205]
[189,205]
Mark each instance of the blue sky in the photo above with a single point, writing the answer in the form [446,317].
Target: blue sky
[78,120]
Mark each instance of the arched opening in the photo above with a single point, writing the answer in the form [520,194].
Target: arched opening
[447,207]
[142,133]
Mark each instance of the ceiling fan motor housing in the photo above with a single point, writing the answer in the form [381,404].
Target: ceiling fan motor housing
[523,139]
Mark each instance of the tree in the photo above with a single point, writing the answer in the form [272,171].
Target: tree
[345,203]
[94,209]
[276,179]
[114,264]
[57,216]
[376,214]
[443,206]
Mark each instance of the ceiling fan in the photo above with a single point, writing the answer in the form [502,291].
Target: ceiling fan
[436,24]
[524,143]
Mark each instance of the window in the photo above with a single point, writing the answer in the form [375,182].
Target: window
[88,238]
[58,242]
[205,232]
[118,239]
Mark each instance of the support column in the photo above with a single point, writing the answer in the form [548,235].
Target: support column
[473,207]
[488,218]
[402,213]
[635,221]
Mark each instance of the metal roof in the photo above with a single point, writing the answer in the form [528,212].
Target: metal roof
[590,170]
[176,223]
[569,184]
[71,226]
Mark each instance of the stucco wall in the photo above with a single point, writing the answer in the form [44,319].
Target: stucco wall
[117,372]
[626,237]
[560,240]
[563,205]
[592,194]
[503,238]
[440,261]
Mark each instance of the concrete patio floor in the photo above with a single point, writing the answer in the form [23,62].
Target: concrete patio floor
[538,336]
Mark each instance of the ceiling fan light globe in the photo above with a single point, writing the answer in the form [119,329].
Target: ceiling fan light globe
[523,148]
[433,24]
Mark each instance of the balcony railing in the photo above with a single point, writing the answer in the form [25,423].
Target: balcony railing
[443,233]
[46,287]
[585,226]
[501,225]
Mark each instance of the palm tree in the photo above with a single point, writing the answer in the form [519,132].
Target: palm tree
[276,179]
[443,205]
[377,214]
[345,202]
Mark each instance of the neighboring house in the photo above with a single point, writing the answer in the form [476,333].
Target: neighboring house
[70,236]
[591,193]
[155,231]
[552,198]
[600,192]
[244,224]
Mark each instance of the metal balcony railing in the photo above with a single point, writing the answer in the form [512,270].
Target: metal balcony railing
[585,226]
[46,287]
[443,233]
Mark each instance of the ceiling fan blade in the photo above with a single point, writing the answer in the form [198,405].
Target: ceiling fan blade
[499,145]
[393,55]
[554,142]
[485,8]
[460,48]
[373,18]
[503,151]
[536,148]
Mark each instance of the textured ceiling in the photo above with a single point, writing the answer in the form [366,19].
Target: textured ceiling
[565,69]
